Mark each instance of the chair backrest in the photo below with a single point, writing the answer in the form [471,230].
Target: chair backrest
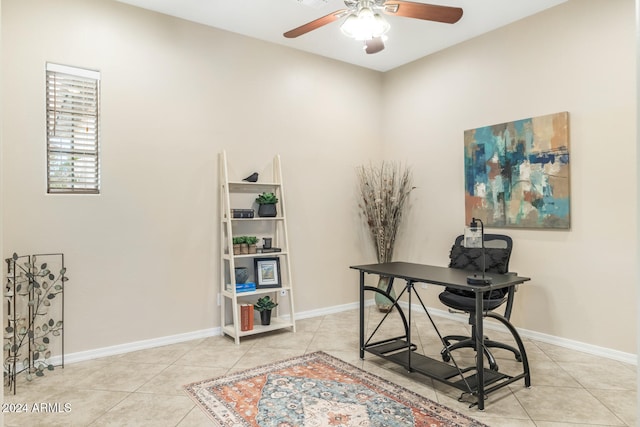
[497,253]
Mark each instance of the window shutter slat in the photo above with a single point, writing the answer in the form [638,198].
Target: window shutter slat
[72,103]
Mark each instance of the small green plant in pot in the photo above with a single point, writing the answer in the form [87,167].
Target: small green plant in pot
[267,204]
[264,305]
[240,245]
[251,242]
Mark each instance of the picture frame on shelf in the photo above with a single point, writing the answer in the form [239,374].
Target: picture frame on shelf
[267,272]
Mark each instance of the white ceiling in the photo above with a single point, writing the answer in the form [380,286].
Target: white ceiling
[409,39]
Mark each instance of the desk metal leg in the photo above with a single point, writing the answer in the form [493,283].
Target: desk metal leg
[361,314]
[480,350]
[409,289]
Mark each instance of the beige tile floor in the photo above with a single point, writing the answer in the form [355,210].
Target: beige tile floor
[144,388]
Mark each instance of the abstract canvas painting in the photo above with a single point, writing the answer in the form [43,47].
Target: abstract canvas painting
[517,173]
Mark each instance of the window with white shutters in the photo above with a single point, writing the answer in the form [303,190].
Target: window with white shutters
[73,125]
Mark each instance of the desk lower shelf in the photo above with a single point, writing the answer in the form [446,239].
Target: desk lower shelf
[403,353]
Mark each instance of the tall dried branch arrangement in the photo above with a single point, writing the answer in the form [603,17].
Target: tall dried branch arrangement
[384,190]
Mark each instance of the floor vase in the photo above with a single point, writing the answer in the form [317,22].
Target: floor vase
[383,303]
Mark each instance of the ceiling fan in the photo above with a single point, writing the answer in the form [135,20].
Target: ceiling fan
[364,21]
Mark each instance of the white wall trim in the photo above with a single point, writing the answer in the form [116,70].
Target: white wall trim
[205,333]
[549,339]
[331,310]
[136,345]
[580,346]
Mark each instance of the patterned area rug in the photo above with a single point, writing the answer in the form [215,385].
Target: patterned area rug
[317,390]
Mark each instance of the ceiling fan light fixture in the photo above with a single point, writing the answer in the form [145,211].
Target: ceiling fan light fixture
[365,25]
[381,24]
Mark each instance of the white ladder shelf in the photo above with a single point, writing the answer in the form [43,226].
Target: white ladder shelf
[239,194]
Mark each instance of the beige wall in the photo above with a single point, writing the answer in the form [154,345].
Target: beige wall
[142,255]
[578,57]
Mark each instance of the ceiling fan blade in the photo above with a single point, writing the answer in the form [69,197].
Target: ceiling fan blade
[374,45]
[315,24]
[428,12]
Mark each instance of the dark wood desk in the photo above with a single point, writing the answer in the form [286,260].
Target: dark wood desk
[476,380]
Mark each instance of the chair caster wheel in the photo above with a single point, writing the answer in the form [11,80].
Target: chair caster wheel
[446,358]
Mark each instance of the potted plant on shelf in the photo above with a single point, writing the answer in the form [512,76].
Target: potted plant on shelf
[251,242]
[267,204]
[237,242]
[240,243]
[264,305]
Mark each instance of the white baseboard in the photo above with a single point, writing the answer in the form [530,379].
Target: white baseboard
[549,339]
[204,333]
[331,310]
[136,345]
[580,346]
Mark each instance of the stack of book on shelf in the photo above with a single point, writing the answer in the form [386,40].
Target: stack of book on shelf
[268,250]
[243,287]
[242,213]
[246,317]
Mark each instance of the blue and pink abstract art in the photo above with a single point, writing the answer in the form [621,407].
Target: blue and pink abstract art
[517,173]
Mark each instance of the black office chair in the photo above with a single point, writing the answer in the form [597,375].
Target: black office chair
[497,254]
